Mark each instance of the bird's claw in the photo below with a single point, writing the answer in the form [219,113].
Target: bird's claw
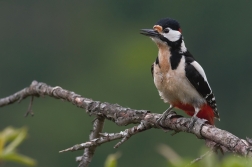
[191,123]
[162,118]
[159,125]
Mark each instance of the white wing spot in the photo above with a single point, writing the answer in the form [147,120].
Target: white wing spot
[197,66]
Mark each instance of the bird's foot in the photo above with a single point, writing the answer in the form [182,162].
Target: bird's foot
[192,122]
[162,118]
[159,124]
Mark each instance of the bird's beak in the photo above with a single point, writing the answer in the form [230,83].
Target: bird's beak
[149,32]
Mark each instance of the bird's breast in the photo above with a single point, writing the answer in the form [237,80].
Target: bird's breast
[173,86]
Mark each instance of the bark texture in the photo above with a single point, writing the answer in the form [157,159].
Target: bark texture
[215,138]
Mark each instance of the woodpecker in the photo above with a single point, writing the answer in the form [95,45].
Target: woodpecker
[179,78]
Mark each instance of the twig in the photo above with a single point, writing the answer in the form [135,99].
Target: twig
[95,133]
[199,158]
[29,110]
[107,137]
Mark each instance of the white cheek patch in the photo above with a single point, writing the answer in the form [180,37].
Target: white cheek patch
[172,35]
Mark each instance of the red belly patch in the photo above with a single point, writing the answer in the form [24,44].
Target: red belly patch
[206,112]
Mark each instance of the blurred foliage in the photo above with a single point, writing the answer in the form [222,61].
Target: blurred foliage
[111,160]
[205,159]
[212,160]
[94,49]
[10,139]
[228,161]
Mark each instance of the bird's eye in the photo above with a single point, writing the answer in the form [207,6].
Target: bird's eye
[166,30]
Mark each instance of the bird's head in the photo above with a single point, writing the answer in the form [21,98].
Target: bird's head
[166,31]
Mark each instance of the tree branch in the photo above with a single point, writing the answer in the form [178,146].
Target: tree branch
[215,137]
[95,133]
[107,137]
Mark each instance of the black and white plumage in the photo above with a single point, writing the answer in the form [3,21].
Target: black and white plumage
[179,78]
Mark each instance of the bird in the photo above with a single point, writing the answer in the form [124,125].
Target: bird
[178,77]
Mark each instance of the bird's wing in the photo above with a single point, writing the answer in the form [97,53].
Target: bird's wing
[197,77]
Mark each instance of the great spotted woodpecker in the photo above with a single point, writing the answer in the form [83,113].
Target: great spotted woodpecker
[180,80]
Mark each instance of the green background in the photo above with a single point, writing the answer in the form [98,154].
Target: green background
[94,49]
